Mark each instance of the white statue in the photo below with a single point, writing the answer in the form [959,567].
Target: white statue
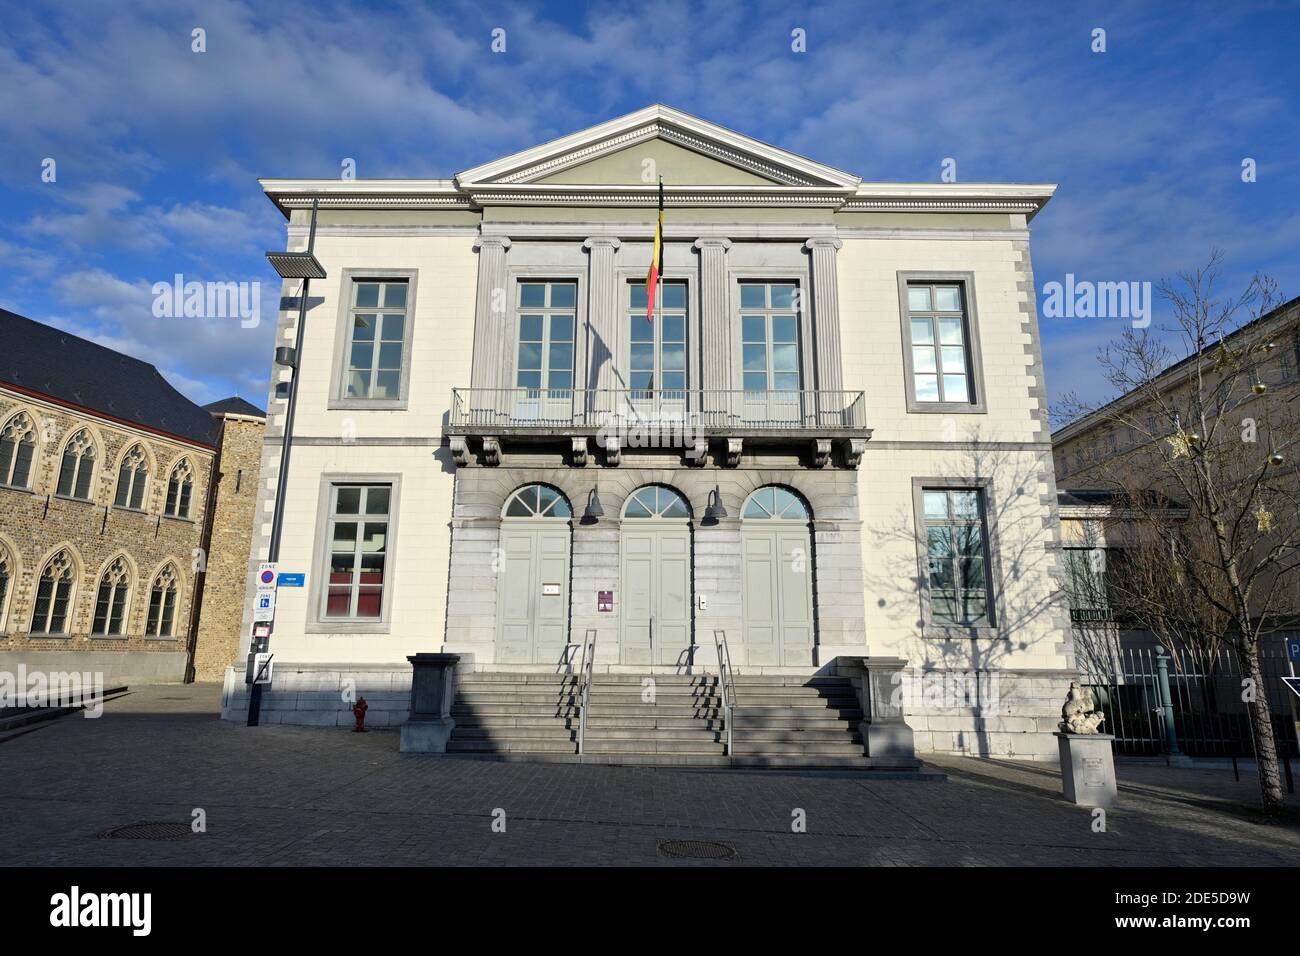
[1079,715]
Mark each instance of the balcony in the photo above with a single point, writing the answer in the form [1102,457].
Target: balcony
[659,418]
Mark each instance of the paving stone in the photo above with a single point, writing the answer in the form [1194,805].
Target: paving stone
[291,795]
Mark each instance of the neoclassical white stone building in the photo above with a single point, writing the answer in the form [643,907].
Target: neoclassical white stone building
[829,442]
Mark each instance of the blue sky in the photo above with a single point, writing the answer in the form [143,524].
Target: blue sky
[158,148]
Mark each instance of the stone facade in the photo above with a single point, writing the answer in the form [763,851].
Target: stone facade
[739,212]
[36,524]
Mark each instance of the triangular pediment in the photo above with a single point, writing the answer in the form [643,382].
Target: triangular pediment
[685,150]
[651,158]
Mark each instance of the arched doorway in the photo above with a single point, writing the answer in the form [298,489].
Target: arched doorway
[776,578]
[533,566]
[655,571]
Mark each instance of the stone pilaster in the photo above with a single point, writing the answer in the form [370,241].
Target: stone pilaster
[826,313]
[602,314]
[715,325]
[490,313]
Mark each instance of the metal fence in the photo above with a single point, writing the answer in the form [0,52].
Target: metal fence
[1209,714]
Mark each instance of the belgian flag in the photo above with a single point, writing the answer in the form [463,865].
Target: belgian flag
[656,273]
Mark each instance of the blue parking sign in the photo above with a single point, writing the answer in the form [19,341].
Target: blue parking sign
[1293,649]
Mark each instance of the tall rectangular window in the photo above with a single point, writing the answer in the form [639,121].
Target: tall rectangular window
[940,354]
[547,315]
[957,557]
[657,356]
[358,534]
[769,333]
[377,331]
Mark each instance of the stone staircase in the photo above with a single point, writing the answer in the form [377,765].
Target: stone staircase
[779,721]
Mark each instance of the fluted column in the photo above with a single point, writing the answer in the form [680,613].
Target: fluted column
[826,313]
[491,311]
[715,329]
[601,353]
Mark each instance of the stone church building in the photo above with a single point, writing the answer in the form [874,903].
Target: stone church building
[824,448]
[125,513]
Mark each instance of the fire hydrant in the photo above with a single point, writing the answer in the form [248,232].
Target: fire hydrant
[359,712]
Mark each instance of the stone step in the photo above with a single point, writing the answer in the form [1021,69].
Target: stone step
[652,745]
[655,733]
[555,732]
[879,770]
[503,722]
[462,710]
[812,748]
[511,696]
[517,745]
[751,723]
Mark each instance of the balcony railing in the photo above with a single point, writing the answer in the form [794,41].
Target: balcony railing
[716,411]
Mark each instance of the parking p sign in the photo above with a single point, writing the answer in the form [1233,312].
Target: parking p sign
[264,598]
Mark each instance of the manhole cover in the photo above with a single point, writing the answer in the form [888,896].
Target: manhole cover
[148,831]
[698,850]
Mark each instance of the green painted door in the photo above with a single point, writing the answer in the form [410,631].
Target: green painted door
[777,594]
[656,584]
[533,592]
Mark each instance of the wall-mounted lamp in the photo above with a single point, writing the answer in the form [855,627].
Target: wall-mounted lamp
[594,510]
[287,356]
[716,508]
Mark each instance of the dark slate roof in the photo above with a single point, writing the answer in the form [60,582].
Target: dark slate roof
[234,405]
[42,359]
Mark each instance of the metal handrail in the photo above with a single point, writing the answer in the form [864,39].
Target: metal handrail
[685,409]
[584,685]
[726,683]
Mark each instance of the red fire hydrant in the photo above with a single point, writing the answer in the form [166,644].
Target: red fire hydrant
[359,712]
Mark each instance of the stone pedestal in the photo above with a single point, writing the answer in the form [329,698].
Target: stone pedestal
[1088,769]
[887,737]
[433,688]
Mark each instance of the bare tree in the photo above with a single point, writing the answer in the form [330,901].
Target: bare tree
[1211,437]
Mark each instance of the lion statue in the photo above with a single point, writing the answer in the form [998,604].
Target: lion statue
[1079,715]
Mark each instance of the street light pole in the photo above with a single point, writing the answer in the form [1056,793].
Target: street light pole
[306,267]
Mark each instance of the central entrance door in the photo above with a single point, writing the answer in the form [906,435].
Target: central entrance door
[777,578]
[655,571]
[533,590]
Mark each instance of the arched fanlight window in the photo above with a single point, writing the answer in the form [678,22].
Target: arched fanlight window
[180,488]
[17,450]
[162,604]
[774,501]
[6,575]
[54,595]
[78,466]
[132,479]
[110,599]
[655,501]
[538,501]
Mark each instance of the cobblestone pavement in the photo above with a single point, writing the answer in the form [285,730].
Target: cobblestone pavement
[286,795]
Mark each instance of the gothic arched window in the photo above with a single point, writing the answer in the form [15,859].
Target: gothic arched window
[78,466]
[132,479]
[110,599]
[17,450]
[179,490]
[162,604]
[54,595]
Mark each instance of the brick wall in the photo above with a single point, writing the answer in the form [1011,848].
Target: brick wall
[231,532]
[35,524]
